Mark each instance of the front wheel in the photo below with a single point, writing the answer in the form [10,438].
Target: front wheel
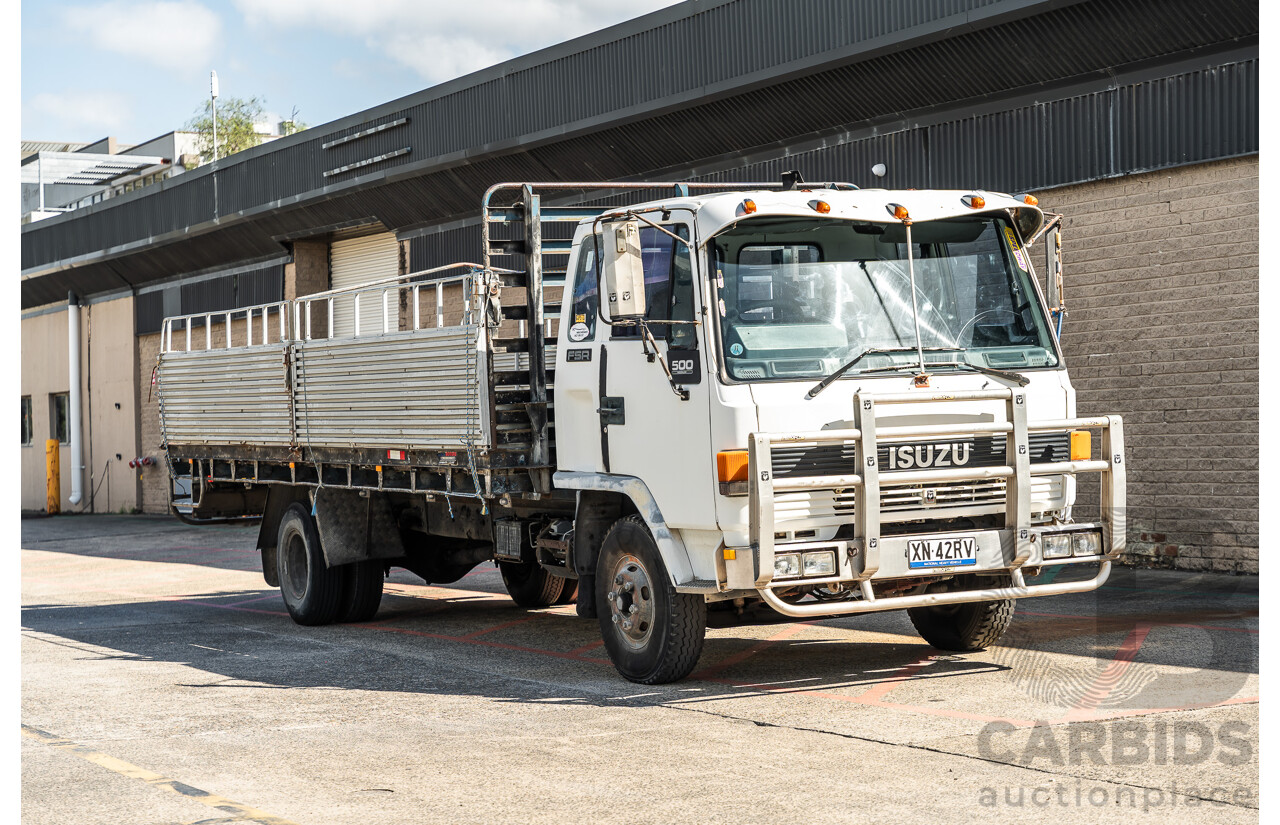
[652,633]
[965,627]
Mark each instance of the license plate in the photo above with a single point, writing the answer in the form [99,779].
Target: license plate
[955,552]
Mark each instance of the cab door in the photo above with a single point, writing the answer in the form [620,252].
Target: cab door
[622,416]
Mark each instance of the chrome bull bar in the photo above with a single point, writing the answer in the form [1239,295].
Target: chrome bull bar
[1017,469]
[869,603]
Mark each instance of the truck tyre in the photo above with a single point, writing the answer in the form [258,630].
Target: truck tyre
[361,592]
[965,627]
[568,591]
[529,585]
[652,633]
[312,591]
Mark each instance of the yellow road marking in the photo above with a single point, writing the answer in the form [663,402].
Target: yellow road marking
[155,780]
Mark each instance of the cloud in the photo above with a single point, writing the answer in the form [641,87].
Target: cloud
[443,40]
[179,35]
[78,113]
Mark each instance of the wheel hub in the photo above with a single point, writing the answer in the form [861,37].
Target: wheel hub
[630,601]
[295,552]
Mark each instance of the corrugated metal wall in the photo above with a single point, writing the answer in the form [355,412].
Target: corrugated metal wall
[1191,117]
[357,261]
[209,293]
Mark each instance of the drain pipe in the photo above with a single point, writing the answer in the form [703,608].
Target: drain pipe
[73,376]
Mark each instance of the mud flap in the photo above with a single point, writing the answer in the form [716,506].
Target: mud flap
[354,527]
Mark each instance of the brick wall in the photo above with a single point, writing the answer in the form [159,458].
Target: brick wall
[1161,274]
[306,274]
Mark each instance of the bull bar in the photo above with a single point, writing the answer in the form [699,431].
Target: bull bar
[867,544]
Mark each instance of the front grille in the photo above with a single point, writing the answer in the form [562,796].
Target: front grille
[983,451]
[898,497]
[903,502]
[822,460]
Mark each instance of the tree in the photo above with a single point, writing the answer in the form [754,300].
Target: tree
[236,132]
[235,126]
[293,124]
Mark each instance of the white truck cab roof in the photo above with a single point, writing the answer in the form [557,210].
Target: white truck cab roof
[715,212]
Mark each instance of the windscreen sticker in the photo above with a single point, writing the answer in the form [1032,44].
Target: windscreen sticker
[735,348]
[580,319]
[579,332]
[1012,240]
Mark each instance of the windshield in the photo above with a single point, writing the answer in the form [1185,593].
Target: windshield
[798,297]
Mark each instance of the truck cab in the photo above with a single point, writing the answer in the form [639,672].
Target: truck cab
[828,400]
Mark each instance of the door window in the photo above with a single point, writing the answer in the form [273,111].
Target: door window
[668,286]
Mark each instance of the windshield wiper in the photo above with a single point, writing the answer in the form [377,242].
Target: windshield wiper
[1018,378]
[826,382]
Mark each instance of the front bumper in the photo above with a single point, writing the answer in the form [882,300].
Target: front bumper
[871,557]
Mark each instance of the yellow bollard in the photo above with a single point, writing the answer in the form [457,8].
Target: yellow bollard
[53,476]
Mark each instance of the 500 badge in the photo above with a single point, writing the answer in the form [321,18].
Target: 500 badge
[685,366]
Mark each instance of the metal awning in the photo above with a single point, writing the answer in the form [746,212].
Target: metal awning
[85,169]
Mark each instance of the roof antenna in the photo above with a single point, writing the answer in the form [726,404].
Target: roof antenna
[790,179]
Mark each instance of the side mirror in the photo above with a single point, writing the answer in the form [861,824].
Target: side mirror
[1053,255]
[623,270]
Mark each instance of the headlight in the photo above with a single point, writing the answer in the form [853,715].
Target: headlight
[786,564]
[820,564]
[1056,546]
[1086,544]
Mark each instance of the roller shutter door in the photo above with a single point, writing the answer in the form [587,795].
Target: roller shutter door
[360,261]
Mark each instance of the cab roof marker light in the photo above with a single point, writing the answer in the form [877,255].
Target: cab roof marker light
[821,207]
[1029,200]
[974,201]
[748,207]
[898,211]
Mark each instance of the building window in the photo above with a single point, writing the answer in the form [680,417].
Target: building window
[60,417]
[26,421]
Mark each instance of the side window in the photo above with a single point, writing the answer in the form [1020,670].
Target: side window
[668,286]
[60,417]
[586,295]
[26,421]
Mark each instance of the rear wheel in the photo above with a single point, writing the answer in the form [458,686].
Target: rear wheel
[312,591]
[568,591]
[361,592]
[529,584]
[965,627]
[653,634]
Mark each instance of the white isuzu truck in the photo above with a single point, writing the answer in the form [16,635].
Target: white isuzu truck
[797,399]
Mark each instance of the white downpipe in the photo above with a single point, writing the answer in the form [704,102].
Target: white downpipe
[73,376]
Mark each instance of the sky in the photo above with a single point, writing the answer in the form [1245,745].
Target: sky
[137,69]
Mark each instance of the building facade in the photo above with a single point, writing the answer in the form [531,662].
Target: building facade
[1136,119]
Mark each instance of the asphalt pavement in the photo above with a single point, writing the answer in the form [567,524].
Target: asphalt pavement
[163,682]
